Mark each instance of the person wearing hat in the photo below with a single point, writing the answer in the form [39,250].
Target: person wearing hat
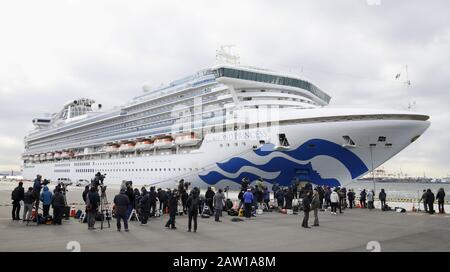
[121,202]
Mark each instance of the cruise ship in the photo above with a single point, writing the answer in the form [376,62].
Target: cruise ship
[214,128]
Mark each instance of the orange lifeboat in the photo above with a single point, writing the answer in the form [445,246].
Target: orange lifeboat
[127,146]
[186,139]
[146,144]
[163,142]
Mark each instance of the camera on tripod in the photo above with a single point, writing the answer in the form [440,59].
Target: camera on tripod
[98,180]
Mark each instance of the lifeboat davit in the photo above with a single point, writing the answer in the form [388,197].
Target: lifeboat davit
[163,142]
[144,145]
[186,139]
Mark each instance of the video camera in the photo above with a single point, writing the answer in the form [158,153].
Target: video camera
[45,182]
[98,180]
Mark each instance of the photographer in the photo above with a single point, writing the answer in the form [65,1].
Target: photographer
[121,202]
[152,199]
[46,198]
[162,197]
[37,186]
[93,202]
[98,180]
[130,193]
[193,206]
[17,195]
[209,195]
[58,203]
[173,206]
[144,206]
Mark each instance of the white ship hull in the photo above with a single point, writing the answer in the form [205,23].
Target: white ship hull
[316,153]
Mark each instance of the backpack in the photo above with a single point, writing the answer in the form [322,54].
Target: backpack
[14,194]
[232,212]
[78,214]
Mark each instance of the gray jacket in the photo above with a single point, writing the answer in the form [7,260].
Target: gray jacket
[218,199]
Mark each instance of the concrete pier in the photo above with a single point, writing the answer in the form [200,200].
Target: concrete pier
[272,231]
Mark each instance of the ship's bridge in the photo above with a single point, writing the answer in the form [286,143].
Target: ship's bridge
[252,86]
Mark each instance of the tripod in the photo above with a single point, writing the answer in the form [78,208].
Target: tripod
[104,208]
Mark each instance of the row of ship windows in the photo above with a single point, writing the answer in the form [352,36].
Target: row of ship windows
[62,165]
[170,99]
[62,170]
[235,144]
[149,112]
[135,129]
[129,170]
[110,132]
[279,80]
[82,164]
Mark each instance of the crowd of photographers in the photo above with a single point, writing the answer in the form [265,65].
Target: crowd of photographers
[131,203]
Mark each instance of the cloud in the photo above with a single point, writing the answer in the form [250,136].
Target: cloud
[54,51]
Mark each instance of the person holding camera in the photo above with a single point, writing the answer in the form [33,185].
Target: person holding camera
[173,207]
[37,186]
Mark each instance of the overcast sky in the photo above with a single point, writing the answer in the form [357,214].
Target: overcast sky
[54,51]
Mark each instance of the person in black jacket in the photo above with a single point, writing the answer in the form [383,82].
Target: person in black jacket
[430,201]
[173,206]
[440,197]
[288,197]
[144,206]
[17,195]
[37,186]
[306,208]
[351,198]
[85,193]
[121,202]
[58,204]
[93,202]
[152,199]
[192,206]
[382,197]
[362,198]
[162,197]
[131,197]
[209,195]
[321,196]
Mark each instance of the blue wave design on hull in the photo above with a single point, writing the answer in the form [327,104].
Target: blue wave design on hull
[288,168]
